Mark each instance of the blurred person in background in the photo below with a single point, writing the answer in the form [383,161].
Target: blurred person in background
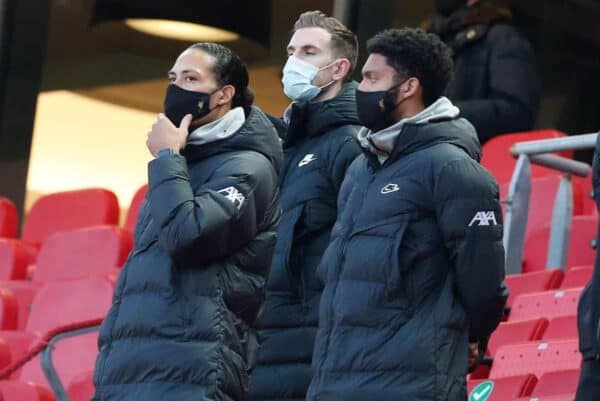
[588,313]
[495,85]
[319,130]
[415,267]
[181,326]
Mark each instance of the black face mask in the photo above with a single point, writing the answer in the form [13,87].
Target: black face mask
[179,102]
[374,108]
[447,7]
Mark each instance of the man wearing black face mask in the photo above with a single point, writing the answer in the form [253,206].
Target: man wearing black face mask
[496,86]
[415,267]
[181,326]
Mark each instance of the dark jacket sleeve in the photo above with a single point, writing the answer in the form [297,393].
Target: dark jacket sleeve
[345,155]
[220,217]
[514,97]
[470,219]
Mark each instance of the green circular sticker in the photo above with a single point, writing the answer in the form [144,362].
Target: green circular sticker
[482,392]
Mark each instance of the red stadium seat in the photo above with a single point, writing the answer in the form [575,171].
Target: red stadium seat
[580,252]
[554,383]
[14,390]
[14,259]
[548,304]
[73,254]
[24,292]
[502,389]
[77,300]
[70,210]
[561,397]
[497,159]
[9,219]
[9,308]
[561,328]
[541,202]
[532,282]
[516,332]
[536,358]
[578,276]
[81,253]
[134,208]
[81,387]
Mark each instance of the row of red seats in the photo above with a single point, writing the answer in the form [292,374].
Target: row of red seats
[66,211]
[77,259]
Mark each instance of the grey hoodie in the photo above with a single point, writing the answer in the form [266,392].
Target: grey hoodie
[381,143]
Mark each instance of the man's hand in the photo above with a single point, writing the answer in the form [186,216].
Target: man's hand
[165,135]
[473,353]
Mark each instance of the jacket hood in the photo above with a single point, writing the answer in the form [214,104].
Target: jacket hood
[257,134]
[439,123]
[307,120]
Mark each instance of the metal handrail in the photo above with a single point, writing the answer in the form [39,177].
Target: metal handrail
[576,142]
[540,152]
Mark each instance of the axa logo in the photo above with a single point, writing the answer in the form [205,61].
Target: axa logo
[307,159]
[234,196]
[389,188]
[484,219]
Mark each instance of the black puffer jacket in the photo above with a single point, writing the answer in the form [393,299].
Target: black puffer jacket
[181,324]
[414,271]
[320,146]
[495,86]
[588,312]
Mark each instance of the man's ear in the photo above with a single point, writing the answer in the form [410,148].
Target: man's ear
[226,95]
[341,69]
[410,87]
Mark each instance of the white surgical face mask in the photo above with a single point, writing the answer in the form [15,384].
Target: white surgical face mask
[297,79]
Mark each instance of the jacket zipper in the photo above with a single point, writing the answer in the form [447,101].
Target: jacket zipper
[342,261]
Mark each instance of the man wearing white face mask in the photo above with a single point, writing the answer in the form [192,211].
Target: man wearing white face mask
[319,145]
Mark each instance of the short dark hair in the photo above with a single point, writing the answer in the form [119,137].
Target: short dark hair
[416,53]
[229,69]
[343,42]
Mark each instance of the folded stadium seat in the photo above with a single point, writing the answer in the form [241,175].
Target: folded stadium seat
[134,208]
[81,387]
[498,160]
[515,332]
[77,301]
[14,259]
[555,383]
[501,389]
[541,202]
[536,358]
[577,276]
[580,251]
[70,255]
[588,202]
[548,304]
[9,219]
[532,282]
[561,328]
[69,210]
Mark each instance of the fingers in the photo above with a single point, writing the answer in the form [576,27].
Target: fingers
[185,122]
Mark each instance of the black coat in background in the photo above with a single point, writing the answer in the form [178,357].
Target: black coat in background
[318,148]
[588,313]
[495,86]
[413,273]
[181,326]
